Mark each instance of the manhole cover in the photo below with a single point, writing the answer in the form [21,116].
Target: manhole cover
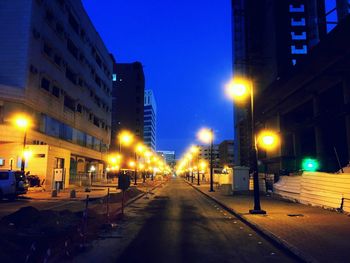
[295,215]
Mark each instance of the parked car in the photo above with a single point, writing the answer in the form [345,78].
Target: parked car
[7,184]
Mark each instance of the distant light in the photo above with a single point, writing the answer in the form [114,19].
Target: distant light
[114,77]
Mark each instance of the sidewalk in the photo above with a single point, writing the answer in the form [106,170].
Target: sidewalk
[97,190]
[318,235]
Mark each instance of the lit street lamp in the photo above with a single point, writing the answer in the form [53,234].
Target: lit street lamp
[195,151]
[23,123]
[207,136]
[140,148]
[239,90]
[125,138]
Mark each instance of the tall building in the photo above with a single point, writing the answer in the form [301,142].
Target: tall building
[204,154]
[127,97]
[295,53]
[226,153]
[150,120]
[168,156]
[56,70]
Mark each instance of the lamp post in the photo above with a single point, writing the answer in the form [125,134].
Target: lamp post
[207,136]
[125,138]
[23,123]
[139,149]
[239,89]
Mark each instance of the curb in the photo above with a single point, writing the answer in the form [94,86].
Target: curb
[279,242]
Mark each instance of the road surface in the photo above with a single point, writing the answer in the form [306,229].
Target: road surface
[184,226]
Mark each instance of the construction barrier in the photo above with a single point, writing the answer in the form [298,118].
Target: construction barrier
[317,189]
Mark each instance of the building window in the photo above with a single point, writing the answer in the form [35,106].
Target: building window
[73,22]
[331,15]
[58,60]
[47,49]
[96,121]
[79,108]
[98,60]
[55,91]
[296,9]
[296,50]
[59,28]
[69,103]
[45,84]
[296,36]
[71,76]
[49,16]
[298,22]
[72,48]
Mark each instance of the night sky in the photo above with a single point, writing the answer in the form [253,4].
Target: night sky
[186,49]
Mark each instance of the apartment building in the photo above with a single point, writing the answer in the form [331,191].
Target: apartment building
[55,70]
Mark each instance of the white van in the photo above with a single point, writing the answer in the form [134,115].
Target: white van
[7,184]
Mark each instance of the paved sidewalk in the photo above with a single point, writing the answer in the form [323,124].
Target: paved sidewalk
[319,235]
[97,190]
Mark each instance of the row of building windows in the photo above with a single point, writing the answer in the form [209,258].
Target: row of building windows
[72,76]
[69,102]
[74,50]
[57,129]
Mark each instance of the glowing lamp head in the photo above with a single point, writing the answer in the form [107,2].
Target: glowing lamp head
[131,164]
[22,122]
[140,148]
[194,149]
[268,140]
[27,154]
[126,138]
[205,135]
[238,89]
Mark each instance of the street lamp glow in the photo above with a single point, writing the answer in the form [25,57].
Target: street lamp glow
[238,89]
[268,140]
[22,122]
[194,149]
[115,159]
[126,138]
[131,164]
[205,135]
[140,148]
[27,154]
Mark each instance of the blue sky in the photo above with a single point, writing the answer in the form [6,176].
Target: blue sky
[185,47]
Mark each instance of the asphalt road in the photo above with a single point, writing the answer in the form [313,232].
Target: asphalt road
[185,226]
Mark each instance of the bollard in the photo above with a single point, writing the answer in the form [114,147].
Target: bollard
[108,221]
[54,193]
[73,194]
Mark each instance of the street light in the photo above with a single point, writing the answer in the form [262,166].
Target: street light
[139,149]
[23,122]
[125,138]
[239,90]
[207,136]
[195,150]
